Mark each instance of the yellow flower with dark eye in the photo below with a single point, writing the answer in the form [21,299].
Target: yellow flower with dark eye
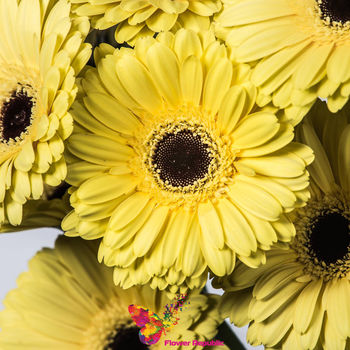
[67,301]
[146,17]
[172,165]
[41,51]
[301,48]
[300,298]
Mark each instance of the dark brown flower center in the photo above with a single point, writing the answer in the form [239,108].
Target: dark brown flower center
[16,114]
[181,158]
[335,10]
[126,338]
[330,237]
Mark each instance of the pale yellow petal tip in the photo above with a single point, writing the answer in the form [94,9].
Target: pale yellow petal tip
[96,312]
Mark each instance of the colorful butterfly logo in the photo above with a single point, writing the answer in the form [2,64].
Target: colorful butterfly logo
[152,326]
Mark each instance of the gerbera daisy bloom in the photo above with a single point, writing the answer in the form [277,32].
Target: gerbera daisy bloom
[302,48]
[145,18]
[171,166]
[41,51]
[300,298]
[67,300]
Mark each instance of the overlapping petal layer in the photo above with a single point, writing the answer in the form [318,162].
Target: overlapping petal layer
[147,17]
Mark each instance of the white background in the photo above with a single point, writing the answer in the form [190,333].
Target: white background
[17,248]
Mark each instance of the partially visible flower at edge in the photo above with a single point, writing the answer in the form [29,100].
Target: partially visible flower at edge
[300,49]
[41,52]
[300,298]
[67,300]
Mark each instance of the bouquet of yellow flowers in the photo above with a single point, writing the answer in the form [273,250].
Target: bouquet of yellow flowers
[195,156]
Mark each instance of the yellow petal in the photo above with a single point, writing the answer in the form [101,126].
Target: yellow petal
[191,254]
[105,187]
[85,119]
[204,8]
[187,43]
[43,158]
[21,184]
[164,68]
[313,66]
[175,234]
[14,212]
[118,238]
[255,130]
[255,200]
[191,78]
[281,164]
[111,113]
[107,73]
[281,193]
[25,158]
[149,231]
[99,150]
[220,261]
[268,41]
[138,83]
[216,85]
[161,21]
[232,108]
[263,230]
[282,138]
[320,170]
[254,11]
[128,210]
[338,65]
[238,234]
[81,171]
[305,305]
[210,224]
[284,229]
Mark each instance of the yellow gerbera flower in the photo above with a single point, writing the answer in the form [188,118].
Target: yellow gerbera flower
[171,166]
[146,17]
[301,47]
[67,301]
[41,51]
[300,298]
